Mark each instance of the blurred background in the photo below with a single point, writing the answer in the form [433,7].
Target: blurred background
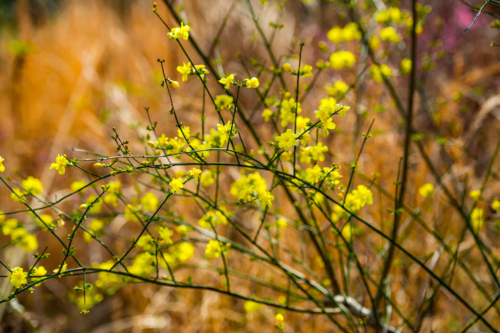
[72,70]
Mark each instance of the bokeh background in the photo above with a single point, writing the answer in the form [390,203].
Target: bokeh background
[72,70]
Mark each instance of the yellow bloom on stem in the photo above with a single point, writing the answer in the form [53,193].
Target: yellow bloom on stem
[165,234]
[347,232]
[39,271]
[96,228]
[61,162]
[335,35]
[287,140]
[342,59]
[227,81]
[223,101]
[287,67]
[18,277]
[176,185]
[17,196]
[475,195]
[390,35]
[313,175]
[280,321]
[32,185]
[324,115]
[215,248]
[77,185]
[150,202]
[213,218]
[405,67]
[339,88]
[207,178]
[174,84]
[477,220]
[287,112]
[185,70]
[27,242]
[252,83]
[251,307]
[267,114]
[427,191]
[379,72]
[305,70]
[2,167]
[266,199]
[495,205]
[181,32]
[195,173]
[374,43]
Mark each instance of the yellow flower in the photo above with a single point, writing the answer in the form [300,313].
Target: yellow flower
[182,230]
[280,321]
[175,84]
[213,218]
[339,88]
[379,72]
[281,224]
[181,32]
[251,83]
[2,167]
[351,32]
[305,70]
[17,196]
[335,35]
[287,140]
[149,202]
[185,70]
[287,112]
[195,173]
[267,115]
[9,225]
[266,199]
[477,220]
[77,185]
[313,153]
[61,162]
[39,271]
[201,69]
[251,307]
[223,101]
[96,228]
[475,195]
[32,185]
[227,132]
[215,248]
[165,234]
[390,35]
[347,232]
[27,242]
[18,277]
[132,213]
[176,184]
[287,67]
[96,207]
[112,197]
[405,66]
[342,59]
[390,14]
[427,191]
[313,175]
[227,81]
[207,178]
[324,115]
[495,205]
[374,43]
